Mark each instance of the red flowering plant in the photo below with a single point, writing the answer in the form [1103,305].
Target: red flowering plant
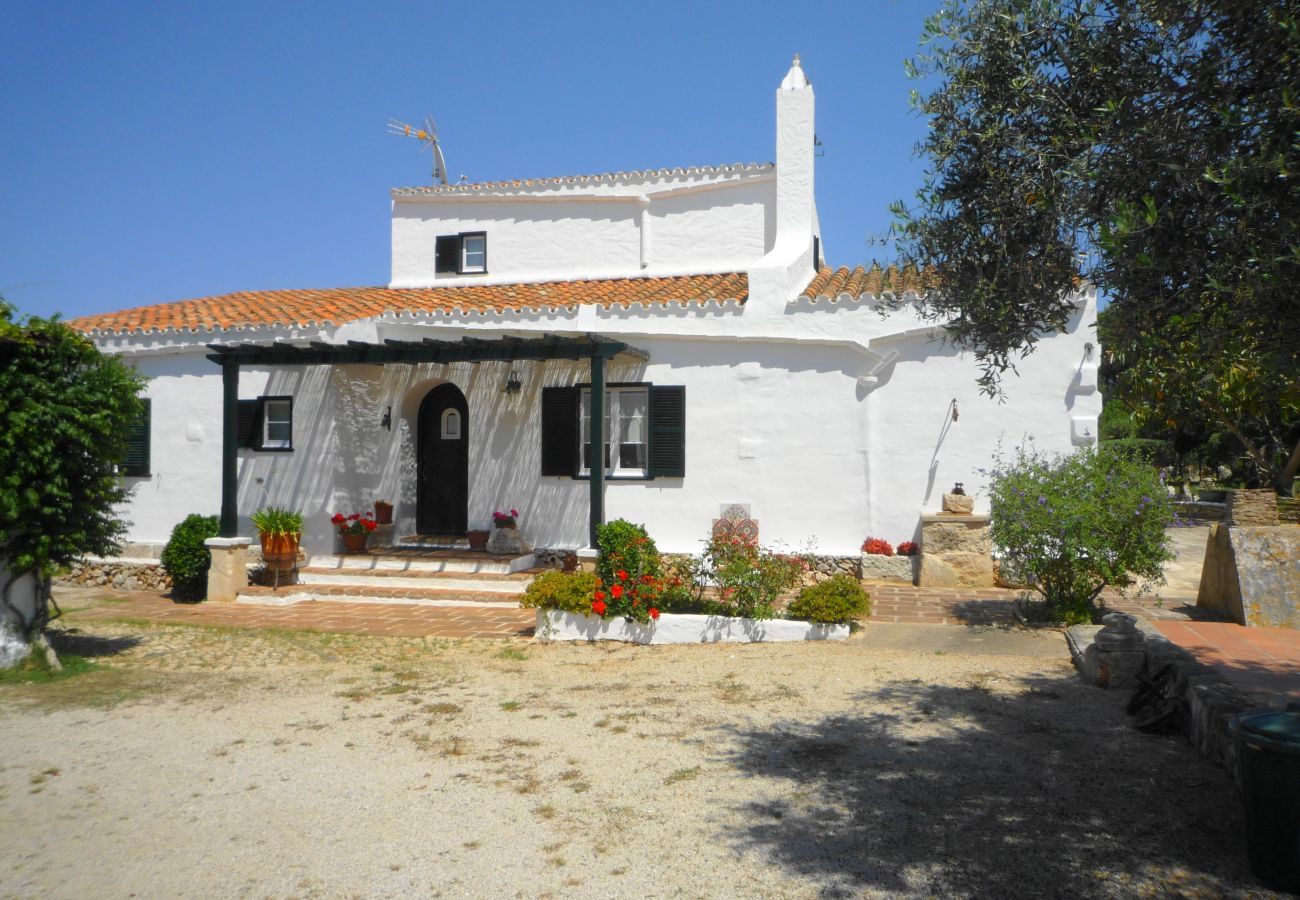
[877,547]
[505,520]
[907,548]
[355,523]
[631,582]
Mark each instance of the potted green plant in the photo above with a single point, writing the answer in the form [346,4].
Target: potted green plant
[280,531]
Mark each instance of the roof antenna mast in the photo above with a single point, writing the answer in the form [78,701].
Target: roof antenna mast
[428,137]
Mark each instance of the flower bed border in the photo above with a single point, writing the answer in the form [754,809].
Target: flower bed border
[681,628]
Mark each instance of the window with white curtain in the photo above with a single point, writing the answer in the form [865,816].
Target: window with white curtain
[625,431]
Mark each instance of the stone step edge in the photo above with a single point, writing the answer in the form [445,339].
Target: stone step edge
[524,575]
[316,596]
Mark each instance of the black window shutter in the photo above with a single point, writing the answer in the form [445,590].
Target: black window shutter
[560,431]
[248,423]
[667,431]
[136,462]
[447,254]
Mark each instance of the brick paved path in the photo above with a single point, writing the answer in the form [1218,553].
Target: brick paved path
[1263,662]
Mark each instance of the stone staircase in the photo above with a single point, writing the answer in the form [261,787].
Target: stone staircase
[405,576]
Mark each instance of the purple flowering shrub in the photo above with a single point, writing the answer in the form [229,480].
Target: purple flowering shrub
[1069,526]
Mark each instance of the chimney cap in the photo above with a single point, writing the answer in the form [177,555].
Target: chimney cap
[795,79]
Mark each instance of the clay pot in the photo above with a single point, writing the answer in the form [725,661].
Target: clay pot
[280,551]
[478,538]
[383,513]
[354,543]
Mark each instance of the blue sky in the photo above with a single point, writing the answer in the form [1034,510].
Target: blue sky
[160,151]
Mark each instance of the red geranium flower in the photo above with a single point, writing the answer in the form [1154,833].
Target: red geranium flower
[616,591]
[598,607]
[647,578]
[622,574]
[654,612]
[354,517]
[338,518]
[599,595]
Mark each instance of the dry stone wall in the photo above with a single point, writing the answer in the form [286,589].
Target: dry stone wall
[956,551]
[129,576]
[1252,507]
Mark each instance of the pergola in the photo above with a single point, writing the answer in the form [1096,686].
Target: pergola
[230,357]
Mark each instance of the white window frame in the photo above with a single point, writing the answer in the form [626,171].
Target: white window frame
[270,404]
[480,237]
[614,412]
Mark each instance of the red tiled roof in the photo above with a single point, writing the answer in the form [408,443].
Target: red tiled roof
[339,305]
[858,281]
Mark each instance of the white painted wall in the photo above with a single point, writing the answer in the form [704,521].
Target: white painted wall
[782,425]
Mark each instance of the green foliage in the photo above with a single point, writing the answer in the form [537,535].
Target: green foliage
[185,557]
[624,545]
[746,580]
[1148,147]
[64,413]
[1068,526]
[565,591]
[274,520]
[839,600]
[35,670]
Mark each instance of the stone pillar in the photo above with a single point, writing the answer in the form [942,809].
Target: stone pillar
[956,551]
[229,570]
[1117,652]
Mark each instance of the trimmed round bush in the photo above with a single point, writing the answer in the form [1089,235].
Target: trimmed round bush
[839,600]
[186,559]
[565,591]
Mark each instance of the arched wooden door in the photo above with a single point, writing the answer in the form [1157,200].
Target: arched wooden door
[442,462]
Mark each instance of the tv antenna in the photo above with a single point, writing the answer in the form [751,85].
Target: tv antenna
[428,137]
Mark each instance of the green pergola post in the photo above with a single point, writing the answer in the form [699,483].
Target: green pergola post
[597,442]
[229,449]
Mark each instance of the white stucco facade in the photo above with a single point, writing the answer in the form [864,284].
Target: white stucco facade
[831,421]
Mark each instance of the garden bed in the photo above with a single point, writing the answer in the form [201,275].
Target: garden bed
[681,628]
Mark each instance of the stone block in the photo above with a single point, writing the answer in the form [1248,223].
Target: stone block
[961,504]
[935,572]
[1252,574]
[507,541]
[1254,507]
[962,537]
[887,568]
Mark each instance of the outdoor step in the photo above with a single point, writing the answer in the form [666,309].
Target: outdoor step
[418,560]
[400,596]
[504,583]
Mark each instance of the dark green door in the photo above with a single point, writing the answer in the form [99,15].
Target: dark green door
[442,467]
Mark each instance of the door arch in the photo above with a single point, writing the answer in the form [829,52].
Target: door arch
[442,462]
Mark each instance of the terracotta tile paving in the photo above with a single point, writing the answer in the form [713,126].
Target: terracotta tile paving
[1263,662]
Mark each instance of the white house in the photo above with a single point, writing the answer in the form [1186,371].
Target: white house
[737,368]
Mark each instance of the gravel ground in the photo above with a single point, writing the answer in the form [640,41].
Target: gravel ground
[204,762]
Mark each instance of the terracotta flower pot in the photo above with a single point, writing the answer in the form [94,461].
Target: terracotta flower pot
[354,543]
[478,538]
[383,513]
[280,551]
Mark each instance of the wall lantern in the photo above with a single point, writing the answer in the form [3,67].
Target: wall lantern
[513,385]
[386,422]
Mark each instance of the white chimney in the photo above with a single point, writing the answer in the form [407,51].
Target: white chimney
[788,267]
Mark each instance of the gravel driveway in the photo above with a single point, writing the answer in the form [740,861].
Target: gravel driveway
[912,761]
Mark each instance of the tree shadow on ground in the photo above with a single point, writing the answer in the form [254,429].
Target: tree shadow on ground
[1037,788]
[90,646]
[1000,613]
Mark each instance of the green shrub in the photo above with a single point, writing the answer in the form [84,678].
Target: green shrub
[627,547]
[274,520]
[747,580]
[1069,526]
[186,559]
[839,600]
[565,591]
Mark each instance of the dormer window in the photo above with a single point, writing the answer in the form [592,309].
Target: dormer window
[461,254]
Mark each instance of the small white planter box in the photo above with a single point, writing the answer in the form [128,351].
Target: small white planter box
[681,628]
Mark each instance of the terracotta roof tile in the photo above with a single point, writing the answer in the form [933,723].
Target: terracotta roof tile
[833,283]
[339,305]
[584,180]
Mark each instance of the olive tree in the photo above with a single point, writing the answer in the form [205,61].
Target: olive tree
[65,410]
